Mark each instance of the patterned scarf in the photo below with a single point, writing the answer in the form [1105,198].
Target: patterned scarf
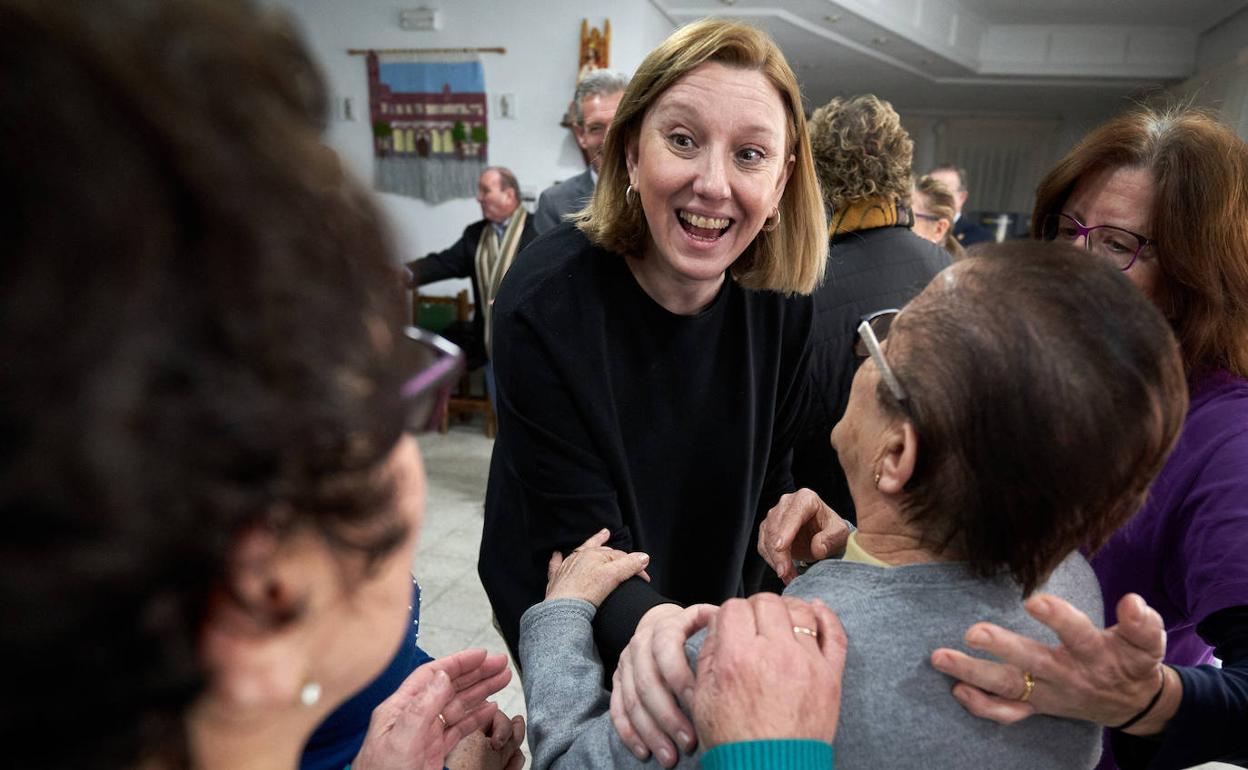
[492,261]
[870,213]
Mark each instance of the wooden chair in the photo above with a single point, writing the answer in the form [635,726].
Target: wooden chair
[435,314]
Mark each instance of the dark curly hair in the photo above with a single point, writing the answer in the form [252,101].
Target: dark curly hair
[1021,364]
[197,315]
[861,151]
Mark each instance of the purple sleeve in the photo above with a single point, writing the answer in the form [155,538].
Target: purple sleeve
[1216,541]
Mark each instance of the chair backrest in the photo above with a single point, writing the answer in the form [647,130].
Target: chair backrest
[436,313]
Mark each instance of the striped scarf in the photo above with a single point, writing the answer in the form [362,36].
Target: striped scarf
[492,261]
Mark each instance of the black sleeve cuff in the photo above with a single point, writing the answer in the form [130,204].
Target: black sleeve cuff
[618,617]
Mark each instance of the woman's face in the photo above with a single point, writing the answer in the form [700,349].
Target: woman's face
[1122,197]
[361,620]
[926,225]
[350,616]
[710,164]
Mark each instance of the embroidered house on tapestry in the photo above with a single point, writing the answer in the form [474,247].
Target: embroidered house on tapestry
[430,128]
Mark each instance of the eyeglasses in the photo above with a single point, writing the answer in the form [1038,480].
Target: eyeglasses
[926,217]
[435,365]
[1122,247]
[874,327]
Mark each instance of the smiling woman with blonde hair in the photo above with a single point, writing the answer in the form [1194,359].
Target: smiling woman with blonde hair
[651,360]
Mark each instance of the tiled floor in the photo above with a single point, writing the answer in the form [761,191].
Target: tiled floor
[455,614]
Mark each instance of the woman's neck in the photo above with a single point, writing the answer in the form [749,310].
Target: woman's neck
[221,740]
[884,533]
[674,294]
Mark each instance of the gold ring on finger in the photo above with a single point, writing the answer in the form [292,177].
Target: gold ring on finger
[812,633]
[1029,684]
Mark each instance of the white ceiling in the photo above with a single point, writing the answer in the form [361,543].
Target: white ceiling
[1196,14]
[1048,57]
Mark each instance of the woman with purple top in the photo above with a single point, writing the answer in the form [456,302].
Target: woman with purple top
[1165,197]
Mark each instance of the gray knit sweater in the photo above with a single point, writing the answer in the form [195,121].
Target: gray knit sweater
[896,711]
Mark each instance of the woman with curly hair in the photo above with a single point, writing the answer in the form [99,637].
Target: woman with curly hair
[862,157]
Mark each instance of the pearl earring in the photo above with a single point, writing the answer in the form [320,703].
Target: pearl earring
[309,694]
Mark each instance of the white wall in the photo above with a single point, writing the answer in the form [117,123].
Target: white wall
[1223,42]
[1221,83]
[1040,141]
[542,41]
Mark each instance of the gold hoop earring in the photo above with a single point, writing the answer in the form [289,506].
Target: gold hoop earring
[877,481]
[773,221]
[629,194]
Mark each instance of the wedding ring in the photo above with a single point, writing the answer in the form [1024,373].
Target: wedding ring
[812,633]
[444,725]
[1029,684]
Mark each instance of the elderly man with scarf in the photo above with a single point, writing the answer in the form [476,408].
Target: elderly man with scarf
[484,252]
[875,262]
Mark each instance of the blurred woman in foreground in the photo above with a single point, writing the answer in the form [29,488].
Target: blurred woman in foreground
[210,500]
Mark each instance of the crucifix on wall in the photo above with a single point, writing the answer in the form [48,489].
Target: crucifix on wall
[595,53]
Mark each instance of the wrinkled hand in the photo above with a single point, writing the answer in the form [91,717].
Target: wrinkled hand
[653,671]
[800,526]
[758,679]
[592,571]
[435,707]
[1105,676]
[497,747]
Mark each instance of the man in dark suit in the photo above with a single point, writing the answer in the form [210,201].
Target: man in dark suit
[965,230]
[597,96]
[483,252]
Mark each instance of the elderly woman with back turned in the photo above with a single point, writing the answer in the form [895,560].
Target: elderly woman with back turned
[1163,197]
[862,155]
[651,369]
[982,446]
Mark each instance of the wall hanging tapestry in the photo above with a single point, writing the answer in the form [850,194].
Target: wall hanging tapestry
[430,128]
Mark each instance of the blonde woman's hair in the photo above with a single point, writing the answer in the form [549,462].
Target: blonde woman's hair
[939,199]
[942,204]
[861,151]
[790,258]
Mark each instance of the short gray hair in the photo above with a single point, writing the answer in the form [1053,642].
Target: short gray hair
[505,176]
[955,168]
[597,83]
